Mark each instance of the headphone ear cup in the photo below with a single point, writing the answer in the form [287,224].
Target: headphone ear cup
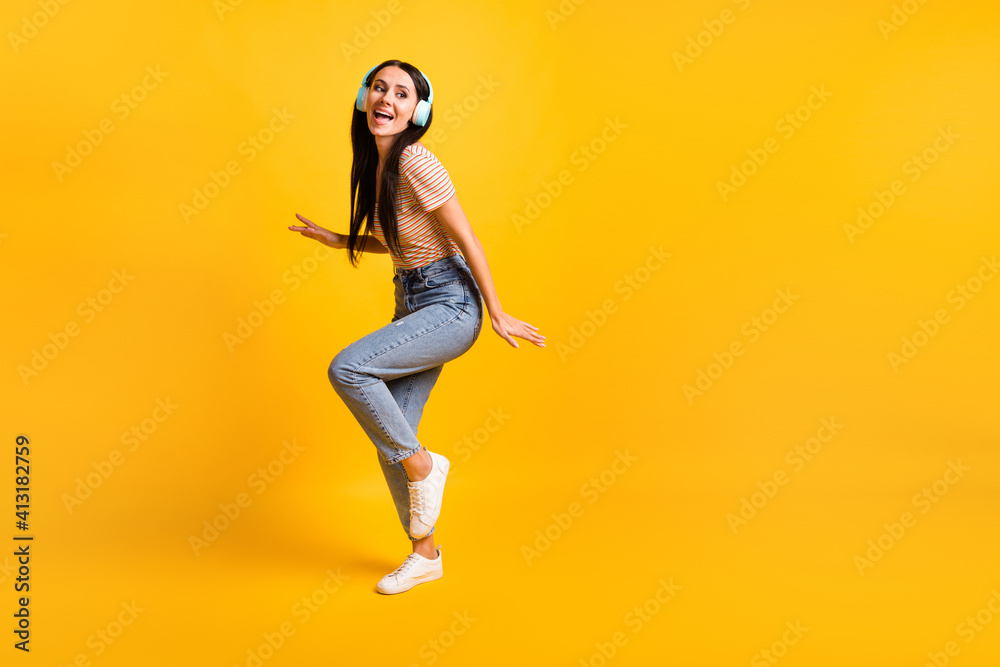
[363,91]
[421,113]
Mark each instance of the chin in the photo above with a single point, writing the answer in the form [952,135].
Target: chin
[384,130]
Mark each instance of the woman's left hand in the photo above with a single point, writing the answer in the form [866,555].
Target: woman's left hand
[507,326]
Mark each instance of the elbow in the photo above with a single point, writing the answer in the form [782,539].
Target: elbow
[468,242]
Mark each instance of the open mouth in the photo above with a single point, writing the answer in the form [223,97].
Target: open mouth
[381,117]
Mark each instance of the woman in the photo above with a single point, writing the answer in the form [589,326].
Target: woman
[441,278]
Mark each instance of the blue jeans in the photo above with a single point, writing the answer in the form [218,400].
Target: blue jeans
[386,377]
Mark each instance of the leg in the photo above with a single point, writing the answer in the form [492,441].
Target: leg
[418,342]
[385,379]
[411,394]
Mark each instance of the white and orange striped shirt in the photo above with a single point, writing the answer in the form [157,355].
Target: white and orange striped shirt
[423,186]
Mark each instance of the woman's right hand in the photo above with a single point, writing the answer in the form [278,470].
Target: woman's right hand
[324,236]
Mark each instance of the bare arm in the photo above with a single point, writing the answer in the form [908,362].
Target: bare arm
[335,240]
[453,220]
[372,245]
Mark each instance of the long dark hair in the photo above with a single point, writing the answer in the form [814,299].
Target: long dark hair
[365,166]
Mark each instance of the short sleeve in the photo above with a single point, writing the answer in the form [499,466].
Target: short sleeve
[428,179]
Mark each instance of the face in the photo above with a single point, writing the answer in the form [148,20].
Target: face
[392,92]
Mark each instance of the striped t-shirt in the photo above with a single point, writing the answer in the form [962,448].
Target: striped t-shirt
[423,186]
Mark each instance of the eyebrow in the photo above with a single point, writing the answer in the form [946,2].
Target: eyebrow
[398,85]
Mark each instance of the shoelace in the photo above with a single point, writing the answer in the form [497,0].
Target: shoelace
[416,500]
[407,564]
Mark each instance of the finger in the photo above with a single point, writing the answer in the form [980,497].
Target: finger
[535,341]
[305,220]
[532,331]
[532,335]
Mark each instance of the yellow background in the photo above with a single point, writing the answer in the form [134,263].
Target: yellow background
[597,391]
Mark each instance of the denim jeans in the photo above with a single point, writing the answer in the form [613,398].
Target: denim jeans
[386,377]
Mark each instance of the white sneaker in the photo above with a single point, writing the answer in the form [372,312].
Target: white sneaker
[415,570]
[426,496]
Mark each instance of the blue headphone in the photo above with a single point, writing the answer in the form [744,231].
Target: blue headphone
[420,114]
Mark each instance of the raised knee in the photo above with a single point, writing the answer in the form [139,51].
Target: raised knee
[339,372]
